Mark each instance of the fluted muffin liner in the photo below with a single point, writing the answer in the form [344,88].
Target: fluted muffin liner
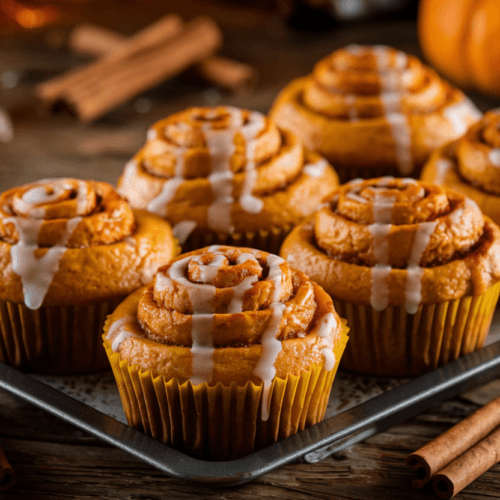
[268,240]
[55,340]
[395,343]
[220,422]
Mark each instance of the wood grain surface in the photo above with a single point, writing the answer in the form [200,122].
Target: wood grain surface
[55,461]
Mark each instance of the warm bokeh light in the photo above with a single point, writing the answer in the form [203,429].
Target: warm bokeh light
[29,17]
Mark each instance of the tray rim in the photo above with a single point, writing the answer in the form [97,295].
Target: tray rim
[312,444]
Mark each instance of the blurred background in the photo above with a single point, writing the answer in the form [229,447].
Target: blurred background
[266,43]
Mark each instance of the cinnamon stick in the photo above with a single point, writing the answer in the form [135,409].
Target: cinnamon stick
[220,71]
[162,30]
[469,466]
[7,474]
[434,456]
[95,40]
[94,90]
[227,73]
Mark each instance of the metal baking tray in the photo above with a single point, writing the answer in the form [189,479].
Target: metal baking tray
[336,432]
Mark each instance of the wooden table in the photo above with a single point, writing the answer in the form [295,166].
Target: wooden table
[54,460]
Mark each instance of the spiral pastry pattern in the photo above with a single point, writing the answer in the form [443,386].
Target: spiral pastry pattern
[224,314]
[414,268]
[471,165]
[394,234]
[224,170]
[70,251]
[375,98]
[40,222]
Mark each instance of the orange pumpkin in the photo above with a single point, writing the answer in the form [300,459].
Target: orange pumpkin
[461,38]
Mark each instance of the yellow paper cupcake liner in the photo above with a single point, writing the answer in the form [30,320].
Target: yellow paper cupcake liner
[219,422]
[268,240]
[54,340]
[395,343]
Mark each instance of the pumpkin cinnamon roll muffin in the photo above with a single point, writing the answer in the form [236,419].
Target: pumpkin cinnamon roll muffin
[226,352]
[70,251]
[471,165]
[226,175]
[414,268]
[373,111]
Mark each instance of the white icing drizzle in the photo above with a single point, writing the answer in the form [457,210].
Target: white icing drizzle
[36,274]
[382,208]
[391,100]
[401,134]
[37,195]
[459,115]
[119,331]
[248,201]
[81,197]
[221,146]
[48,191]
[413,292]
[220,143]
[379,295]
[128,178]
[382,217]
[354,49]
[353,182]
[316,169]
[201,296]
[182,230]
[158,205]
[271,346]
[443,166]
[455,216]
[325,325]
[494,156]
[350,100]
[356,197]
[151,134]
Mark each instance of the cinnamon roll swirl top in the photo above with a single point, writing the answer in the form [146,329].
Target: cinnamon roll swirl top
[471,165]
[227,170]
[372,81]
[58,233]
[374,106]
[99,215]
[390,241]
[227,314]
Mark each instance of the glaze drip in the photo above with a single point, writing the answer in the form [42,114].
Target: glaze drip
[41,220]
[36,273]
[271,346]
[394,229]
[224,297]
[221,146]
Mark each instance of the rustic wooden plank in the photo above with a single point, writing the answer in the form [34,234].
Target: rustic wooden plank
[54,460]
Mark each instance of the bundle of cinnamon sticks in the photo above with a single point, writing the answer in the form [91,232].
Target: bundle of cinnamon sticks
[7,474]
[460,455]
[132,65]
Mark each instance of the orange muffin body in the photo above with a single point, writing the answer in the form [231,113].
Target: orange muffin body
[398,256]
[226,317]
[373,111]
[69,250]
